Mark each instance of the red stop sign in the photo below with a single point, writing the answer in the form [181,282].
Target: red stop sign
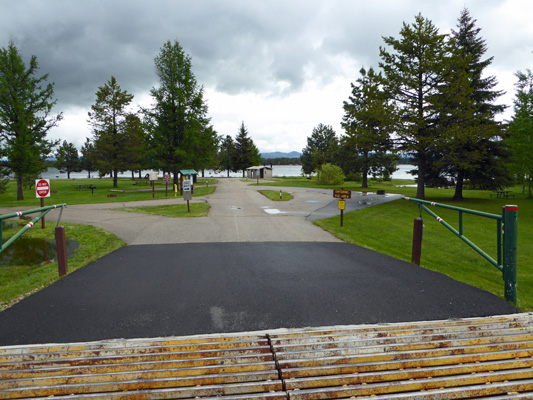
[42,188]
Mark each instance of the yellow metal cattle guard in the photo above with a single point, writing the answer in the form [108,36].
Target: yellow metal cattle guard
[452,359]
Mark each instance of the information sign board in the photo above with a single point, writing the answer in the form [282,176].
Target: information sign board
[187,185]
[153,176]
[342,194]
[167,178]
[42,188]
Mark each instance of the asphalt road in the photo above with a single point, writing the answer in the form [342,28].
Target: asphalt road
[252,264]
[184,289]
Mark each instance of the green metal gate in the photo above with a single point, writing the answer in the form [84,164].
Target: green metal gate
[507,239]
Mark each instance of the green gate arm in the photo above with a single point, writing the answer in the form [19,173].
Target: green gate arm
[42,210]
[33,211]
[465,210]
[463,238]
[506,235]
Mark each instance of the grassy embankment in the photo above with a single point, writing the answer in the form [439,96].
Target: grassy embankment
[18,281]
[388,229]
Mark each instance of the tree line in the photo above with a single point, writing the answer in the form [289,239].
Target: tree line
[173,134]
[431,102]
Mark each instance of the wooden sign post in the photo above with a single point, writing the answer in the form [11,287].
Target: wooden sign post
[342,194]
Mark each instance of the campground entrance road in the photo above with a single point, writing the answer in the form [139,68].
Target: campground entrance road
[252,264]
[239,213]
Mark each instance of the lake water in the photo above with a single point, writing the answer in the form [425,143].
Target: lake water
[277,171]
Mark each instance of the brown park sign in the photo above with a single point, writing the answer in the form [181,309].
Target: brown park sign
[342,194]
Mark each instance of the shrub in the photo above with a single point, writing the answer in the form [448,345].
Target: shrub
[330,174]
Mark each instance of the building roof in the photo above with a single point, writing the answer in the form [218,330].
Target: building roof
[188,172]
[259,167]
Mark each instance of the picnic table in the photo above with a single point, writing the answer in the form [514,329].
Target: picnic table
[502,194]
[85,187]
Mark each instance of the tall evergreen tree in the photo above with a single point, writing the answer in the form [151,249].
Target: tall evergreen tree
[226,155]
[179,116]
[367,122]
[108,120]
[469,144]
[88,157]
[321,148]
[521,130]
[67,158]
[246,152]
[25,116]
[206,149]
[414,73]
[134,135]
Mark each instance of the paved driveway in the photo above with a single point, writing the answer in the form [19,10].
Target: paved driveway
[195,288]
[251,264]
[239,213]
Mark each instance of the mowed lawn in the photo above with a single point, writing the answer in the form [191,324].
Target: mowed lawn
[388,229]
[67,191]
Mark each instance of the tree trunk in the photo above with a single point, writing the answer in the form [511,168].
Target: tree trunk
[421,181]
[68,174]
[115,178]
[176,173]
[228,172]
[365,170]
[459,186]
[20,193]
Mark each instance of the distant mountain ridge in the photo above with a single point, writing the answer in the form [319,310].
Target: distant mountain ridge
[279,154]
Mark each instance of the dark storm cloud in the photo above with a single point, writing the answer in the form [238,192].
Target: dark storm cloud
[270,49]
[235,46]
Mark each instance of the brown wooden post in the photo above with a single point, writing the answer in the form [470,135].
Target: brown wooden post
[42,219]
[61,247]
[417,241]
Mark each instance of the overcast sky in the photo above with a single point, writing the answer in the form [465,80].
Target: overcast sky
[282,67]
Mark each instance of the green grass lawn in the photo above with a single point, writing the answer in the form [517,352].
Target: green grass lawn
[66,191]
[18,281]
[274,195]
[173,211]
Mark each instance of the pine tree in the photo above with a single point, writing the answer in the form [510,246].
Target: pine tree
[322,146]
[367,122]
[178,119]
[469,145]
[108,120]
[25,116]
[88,157]
[521,130]
[414,73]
[246,153]
[226,155]
[67,158]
